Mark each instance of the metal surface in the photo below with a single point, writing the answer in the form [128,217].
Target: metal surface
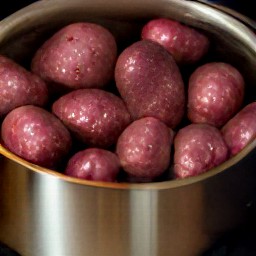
[239,16]
[43,216]
[43,213]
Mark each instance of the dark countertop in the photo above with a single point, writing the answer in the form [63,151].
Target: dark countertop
[241,242]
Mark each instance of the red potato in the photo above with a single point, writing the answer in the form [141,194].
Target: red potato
[19,87]
[150,83]
[36,135]
[94,116]
[80,55]
[144,148]
[94,164]
[215,93]
[197,149]
[186,44]
[239,131]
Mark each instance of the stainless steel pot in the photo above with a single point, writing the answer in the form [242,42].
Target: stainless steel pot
[44,213]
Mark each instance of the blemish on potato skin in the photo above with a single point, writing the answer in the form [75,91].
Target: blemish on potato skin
[70,38]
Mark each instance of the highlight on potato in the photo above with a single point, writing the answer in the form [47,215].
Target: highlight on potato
[93,109]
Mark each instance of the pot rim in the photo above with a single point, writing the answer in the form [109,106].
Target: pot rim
[237,15]
[42,7]
[168,184]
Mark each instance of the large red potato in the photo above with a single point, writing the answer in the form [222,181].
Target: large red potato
[215,93]
[186,44]
[94,116]
[94,164]
[150,83]
[80,55]
[198,148]
[19,86]
[36,135]
[144,148]
[239,131]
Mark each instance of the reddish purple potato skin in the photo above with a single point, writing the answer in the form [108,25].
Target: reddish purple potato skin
[186,44]
[198,148]
[215,93]
[94,164]
[80,55]
[240,130]
[144,148]
[149,81]
[36,135]
[19,87]
[95,116]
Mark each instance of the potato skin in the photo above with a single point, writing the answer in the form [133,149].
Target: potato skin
[215,93]
[36,135]
[19,87]
[94,164]
[144,148]
[150,83]
[240,130]
[94,116]
[198,148]
[186,44]
[80,55]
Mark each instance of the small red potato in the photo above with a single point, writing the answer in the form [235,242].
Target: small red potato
[239,131]
[19,87]
[36,135]
[186,44]
[215,93]
[80,55]
[144,148]
[150,83]
[94,116]
[94,164]
[197,149]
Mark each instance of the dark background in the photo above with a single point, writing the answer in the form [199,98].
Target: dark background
[241,242]
[246,7]
[10,6]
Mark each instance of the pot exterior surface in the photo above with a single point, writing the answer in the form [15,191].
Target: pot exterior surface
[44,215]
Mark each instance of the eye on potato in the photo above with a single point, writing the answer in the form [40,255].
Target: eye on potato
[187,45]
[94,116]
[36,135]
[80,55]
[19,86]
[215,93]
[94,164]
[240,130]
[144,148]
[150,83]
[198,148]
